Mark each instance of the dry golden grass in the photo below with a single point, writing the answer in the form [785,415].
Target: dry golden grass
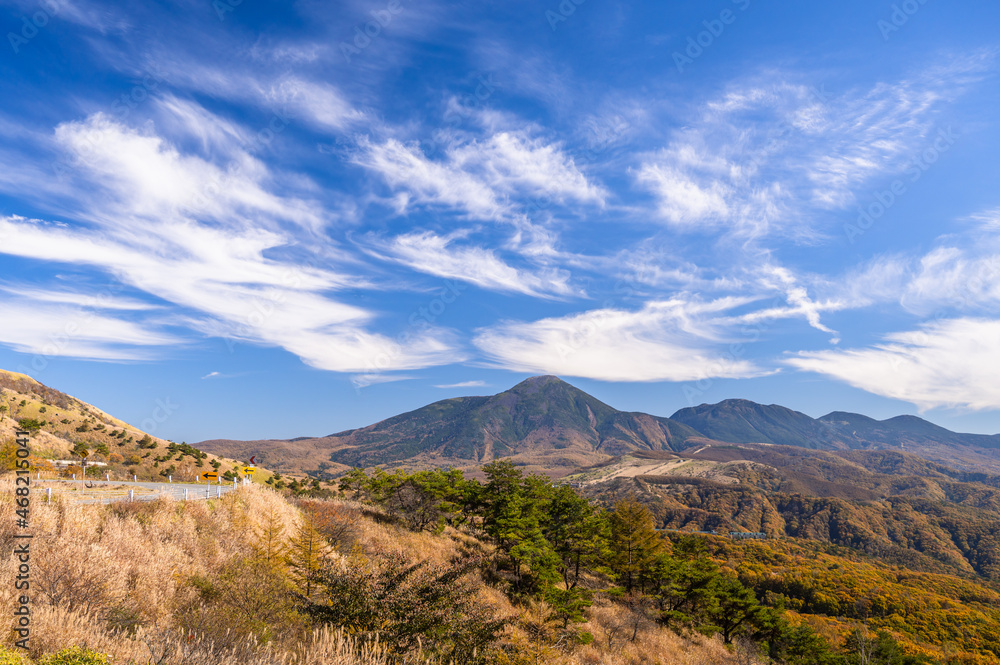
[96,568]
[54,628]
[613,644]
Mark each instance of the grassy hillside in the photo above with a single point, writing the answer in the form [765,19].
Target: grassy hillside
[434,568]
[60,424]
[222,582]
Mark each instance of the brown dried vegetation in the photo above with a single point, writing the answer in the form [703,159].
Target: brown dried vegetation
[223,582]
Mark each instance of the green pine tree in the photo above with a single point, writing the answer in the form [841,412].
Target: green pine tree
[634,545]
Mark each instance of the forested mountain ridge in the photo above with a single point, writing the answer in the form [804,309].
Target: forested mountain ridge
[789,595]
[548,425]
[743,421]
[893,505]
[543,423]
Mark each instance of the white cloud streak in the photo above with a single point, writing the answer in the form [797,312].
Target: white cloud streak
[204,238]
[664,341]
[949,363]
[480,178]
[320,104]
[436,255]
[50,328]
[463,384]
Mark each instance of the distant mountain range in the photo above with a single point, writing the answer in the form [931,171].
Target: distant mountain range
[551,426]
[742,421]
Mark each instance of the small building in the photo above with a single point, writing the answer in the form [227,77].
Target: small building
[65,463]
[747,535]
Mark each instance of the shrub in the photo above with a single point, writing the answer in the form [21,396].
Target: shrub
[8,455]
[124,619]
[334,521]
[75,656]
[30,424]
[249,597]
[11,657]
[411,606]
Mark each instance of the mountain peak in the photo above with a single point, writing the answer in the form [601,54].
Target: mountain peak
[550,425]
[743,421]
[737,402]
[535,383]
[542,422]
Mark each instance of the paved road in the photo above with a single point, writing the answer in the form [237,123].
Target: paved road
[85,494]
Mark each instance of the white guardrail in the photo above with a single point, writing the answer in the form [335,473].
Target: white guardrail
[80,491]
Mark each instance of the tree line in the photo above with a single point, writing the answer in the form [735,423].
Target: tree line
[554,545]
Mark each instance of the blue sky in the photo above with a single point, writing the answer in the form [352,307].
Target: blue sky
[286,219]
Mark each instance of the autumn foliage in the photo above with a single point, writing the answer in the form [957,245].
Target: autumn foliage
[435,568]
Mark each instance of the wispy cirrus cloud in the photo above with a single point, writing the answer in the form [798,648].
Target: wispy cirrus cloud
[299,97]
[685,199]
[405,167]
[48,325]
[463,384]
[214,243]
[759,158]
[142,174]
[318,103]
[480,178]
[961,272]
[947,363]
[958,275]
[441,256]
[670,340]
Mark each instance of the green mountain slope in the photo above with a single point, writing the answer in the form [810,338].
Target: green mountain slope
[900,431]
[542,422]
[549,425]
[743,421]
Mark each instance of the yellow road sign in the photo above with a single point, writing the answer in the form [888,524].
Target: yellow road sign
[210,475]
[248,470]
